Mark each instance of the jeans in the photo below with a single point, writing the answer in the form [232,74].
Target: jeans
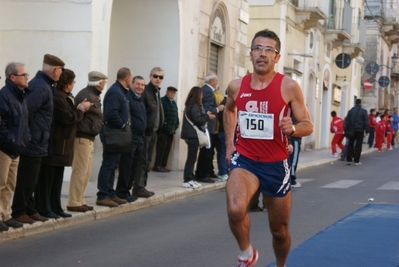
[294,157]
[371,137]
[106,176]
[192,150]
[222,162]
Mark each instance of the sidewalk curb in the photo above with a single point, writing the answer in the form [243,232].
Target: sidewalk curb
[101,212]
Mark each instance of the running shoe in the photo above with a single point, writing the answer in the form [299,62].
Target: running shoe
[223,177]
[190,184]
[248,262]
[297,185]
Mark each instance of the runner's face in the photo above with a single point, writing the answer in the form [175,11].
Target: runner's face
[262,60]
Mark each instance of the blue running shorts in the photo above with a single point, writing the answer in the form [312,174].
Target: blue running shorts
[274,177]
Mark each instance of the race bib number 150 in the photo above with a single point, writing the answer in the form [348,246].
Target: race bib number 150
[256,125]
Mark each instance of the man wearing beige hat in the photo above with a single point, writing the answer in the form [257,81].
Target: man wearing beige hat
[40,107]
[88,128]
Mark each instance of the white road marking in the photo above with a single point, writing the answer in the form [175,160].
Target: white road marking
[390,186]
[342,184]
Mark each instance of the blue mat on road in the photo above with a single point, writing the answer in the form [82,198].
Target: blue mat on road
[368,237]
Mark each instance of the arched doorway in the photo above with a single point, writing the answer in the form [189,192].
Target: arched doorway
[143,36]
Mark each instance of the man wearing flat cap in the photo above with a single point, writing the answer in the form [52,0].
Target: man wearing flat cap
[40,107]
[87,130]
[168,130]
[359,120]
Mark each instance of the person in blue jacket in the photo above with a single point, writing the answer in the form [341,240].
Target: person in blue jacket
[14,137]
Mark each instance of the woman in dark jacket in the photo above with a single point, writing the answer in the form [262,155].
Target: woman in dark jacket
[195,113]
[65,121]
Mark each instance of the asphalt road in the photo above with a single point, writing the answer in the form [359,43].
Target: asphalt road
[194,231]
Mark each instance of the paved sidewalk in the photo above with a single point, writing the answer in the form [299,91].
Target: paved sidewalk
[167,187]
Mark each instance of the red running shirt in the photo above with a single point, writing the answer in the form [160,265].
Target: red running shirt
[258,102]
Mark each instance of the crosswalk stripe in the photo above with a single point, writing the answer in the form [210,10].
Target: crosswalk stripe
[390,186]
[342,184]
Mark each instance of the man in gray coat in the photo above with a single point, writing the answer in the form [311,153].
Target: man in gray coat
[205,160]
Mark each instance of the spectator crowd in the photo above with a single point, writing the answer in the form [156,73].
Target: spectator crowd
[44,128]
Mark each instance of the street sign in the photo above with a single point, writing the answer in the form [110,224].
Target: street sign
[372,68]
[383,81]
[367,84]
[343,61]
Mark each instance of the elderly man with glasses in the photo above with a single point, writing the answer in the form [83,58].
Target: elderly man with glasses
[14,137]
[155,120]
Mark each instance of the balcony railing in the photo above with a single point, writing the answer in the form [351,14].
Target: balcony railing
[339,24]
[310,12]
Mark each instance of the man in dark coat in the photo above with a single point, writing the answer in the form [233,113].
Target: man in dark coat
[205,157]
[155,119]
[359,119]
[131,163]
[116,115]
[167,132]
[40,107]
[14,137]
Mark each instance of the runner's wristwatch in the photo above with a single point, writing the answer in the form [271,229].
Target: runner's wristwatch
[293,130]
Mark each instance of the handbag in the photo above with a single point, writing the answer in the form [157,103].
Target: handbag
[117,141]
[204,139]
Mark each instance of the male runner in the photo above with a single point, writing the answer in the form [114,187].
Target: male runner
[262,103]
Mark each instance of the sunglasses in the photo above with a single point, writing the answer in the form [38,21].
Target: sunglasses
[157,76]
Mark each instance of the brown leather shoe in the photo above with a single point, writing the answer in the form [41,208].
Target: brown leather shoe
[38,217]
[24,219]
[77,208]
[107,202]
[142,192]
[119,200]
[88,207]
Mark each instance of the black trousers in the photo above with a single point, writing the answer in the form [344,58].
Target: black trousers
[164,143]
[355,147]
[129,165]
[192,151]
[148,148]
[205,162]
[48,189]
[28,172]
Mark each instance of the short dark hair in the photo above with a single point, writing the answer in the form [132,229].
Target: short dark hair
[266,33]
[137,77]
[194,96]
[372,110]
[67,76]
[333,113]
[122,73]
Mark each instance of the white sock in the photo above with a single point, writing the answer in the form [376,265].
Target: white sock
[246,254]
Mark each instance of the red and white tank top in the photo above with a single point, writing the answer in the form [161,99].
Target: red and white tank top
[259,112]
